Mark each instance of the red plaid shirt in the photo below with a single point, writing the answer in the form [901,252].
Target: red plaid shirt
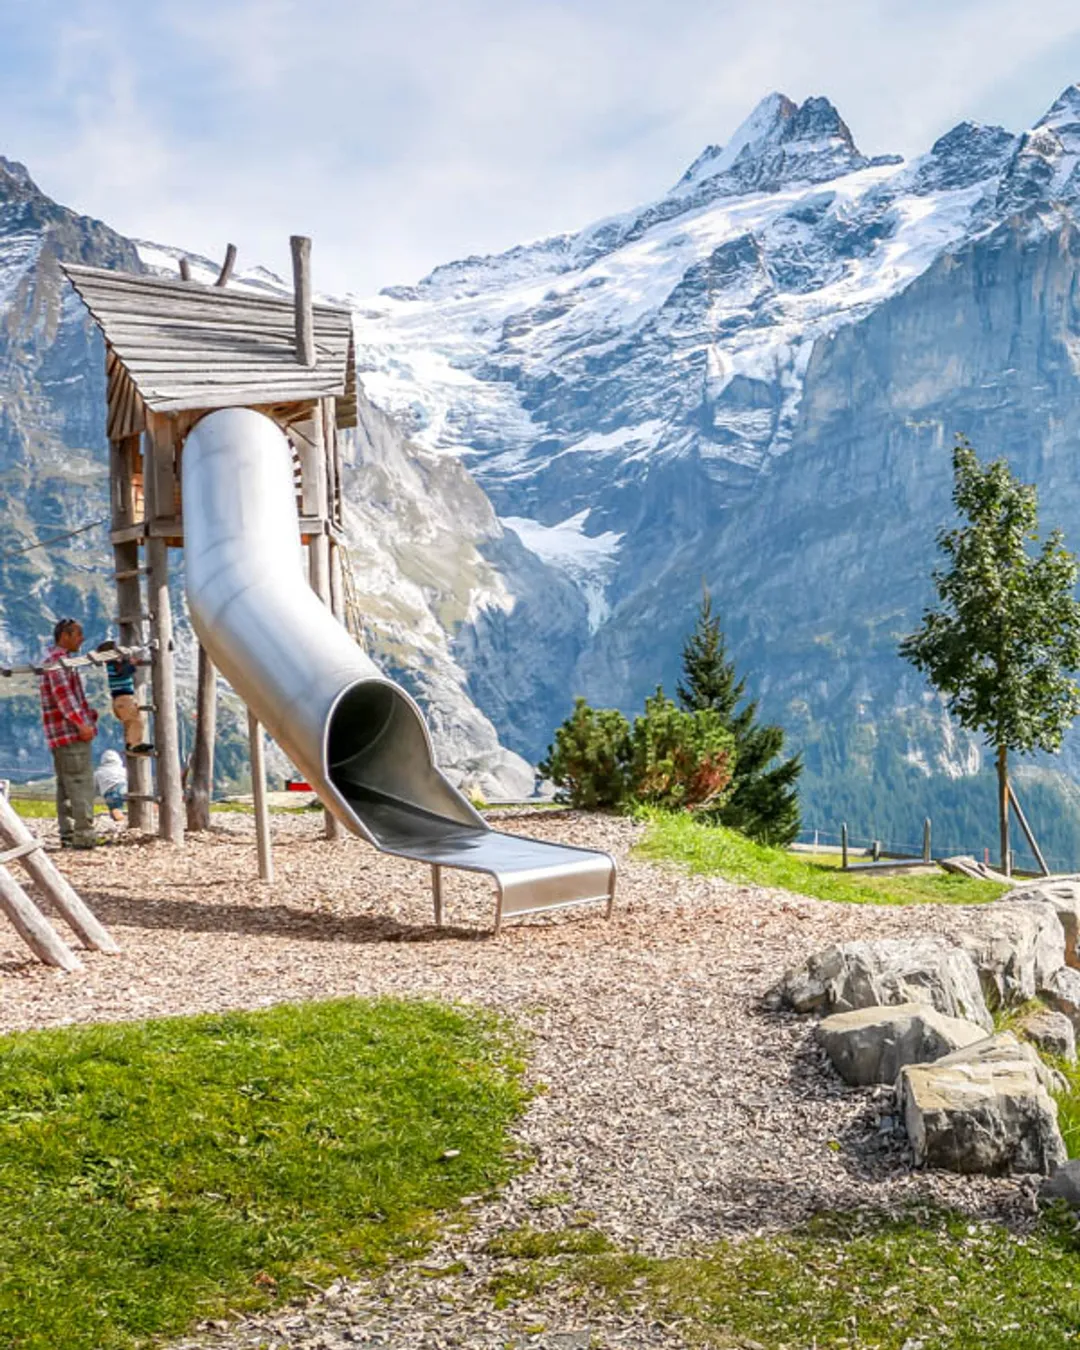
[64,708]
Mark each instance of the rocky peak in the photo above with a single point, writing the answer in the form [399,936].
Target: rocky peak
[1045,168]
[968,154]
[781,142]
[1063,118]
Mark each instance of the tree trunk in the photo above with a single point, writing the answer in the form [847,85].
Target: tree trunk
[200,783]
[1003,807]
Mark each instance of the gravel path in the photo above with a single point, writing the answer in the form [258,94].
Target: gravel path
[675,1111]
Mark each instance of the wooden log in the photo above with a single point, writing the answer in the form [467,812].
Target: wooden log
[200,782]
[302,303]
[166,726]
[436,893]
[185,269]
[1028,831]
[51,881]
[843,846]
[926,840]
[258,789]
[32,926]
[227,266]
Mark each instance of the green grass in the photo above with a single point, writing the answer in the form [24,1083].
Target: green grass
[855,1280]
[154,1174]
[713,849]
[35,808]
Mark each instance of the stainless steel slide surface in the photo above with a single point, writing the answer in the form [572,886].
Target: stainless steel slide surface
[358,738]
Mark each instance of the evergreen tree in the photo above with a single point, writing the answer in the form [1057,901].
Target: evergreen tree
[1007,635]
[763,802]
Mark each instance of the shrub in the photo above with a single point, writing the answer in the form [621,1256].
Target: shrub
[680,759]
[670,758]
[588,761]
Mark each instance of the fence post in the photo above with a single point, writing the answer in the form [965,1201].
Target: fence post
[875,851]
[843,845]
[926,840]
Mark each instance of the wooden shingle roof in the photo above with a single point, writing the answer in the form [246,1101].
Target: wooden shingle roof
[181,346]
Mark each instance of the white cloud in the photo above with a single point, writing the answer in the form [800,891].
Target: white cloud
[401,136]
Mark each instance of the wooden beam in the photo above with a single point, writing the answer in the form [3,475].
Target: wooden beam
[52,882]
[258,789]
[200,783]
[33,927]
[159,440]
[126,537]
[1027,831]
[304,315]
[227,266]
[185,270]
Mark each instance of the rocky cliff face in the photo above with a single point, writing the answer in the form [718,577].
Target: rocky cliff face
[414,520]
[755,382]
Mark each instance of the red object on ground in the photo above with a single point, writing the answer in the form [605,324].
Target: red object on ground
[297,785]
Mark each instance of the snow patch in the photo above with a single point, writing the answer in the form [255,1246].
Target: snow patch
[587,560]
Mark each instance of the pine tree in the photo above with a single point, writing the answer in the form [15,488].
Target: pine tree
[764,801]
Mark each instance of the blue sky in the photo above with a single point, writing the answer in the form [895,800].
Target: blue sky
[404,134]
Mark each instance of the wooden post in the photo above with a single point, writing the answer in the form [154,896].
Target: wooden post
[926,840]
[305,317]
[227,266]
[16,835]
[258,789]
[436,893]
[200,783]
[843,846]
[33,927]
[1027,831]
[160,478]
[875,850]
[129,602]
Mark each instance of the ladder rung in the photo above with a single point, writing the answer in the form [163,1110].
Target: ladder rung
[31,846]
[142,797]
[148,707]
[132,618]
[130,572]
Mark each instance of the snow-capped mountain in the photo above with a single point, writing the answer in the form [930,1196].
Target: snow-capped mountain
[755,380]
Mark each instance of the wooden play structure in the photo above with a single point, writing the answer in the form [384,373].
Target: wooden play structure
[236,399]
[175,350]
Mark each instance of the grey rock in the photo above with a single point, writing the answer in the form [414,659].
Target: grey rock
[1062,992]
[871,1045]
[888,972]
[1052,1032]
[984,1109]
[1016,947]
[1063,893]
[1064,1184]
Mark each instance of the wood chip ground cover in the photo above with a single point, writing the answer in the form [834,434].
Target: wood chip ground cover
[672,1114]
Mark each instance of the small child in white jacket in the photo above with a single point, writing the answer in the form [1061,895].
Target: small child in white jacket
[110,780]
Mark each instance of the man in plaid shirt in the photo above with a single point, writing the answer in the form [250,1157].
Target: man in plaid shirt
[70,728]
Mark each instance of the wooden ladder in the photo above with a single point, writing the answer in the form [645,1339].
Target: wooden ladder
[29,922]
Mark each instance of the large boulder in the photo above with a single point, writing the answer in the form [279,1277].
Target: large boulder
[1016,947]
[1063,894]
[1051,1031]
[1062,992]
[887,972]
[872,1045]
[986,1108]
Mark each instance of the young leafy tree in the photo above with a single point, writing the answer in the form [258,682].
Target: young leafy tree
[1006,636]
[764,801]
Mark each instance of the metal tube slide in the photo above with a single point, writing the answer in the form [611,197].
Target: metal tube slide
[358,738]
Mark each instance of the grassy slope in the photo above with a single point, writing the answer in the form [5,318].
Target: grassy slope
[859,1281]
[153,1174]
[713,849]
